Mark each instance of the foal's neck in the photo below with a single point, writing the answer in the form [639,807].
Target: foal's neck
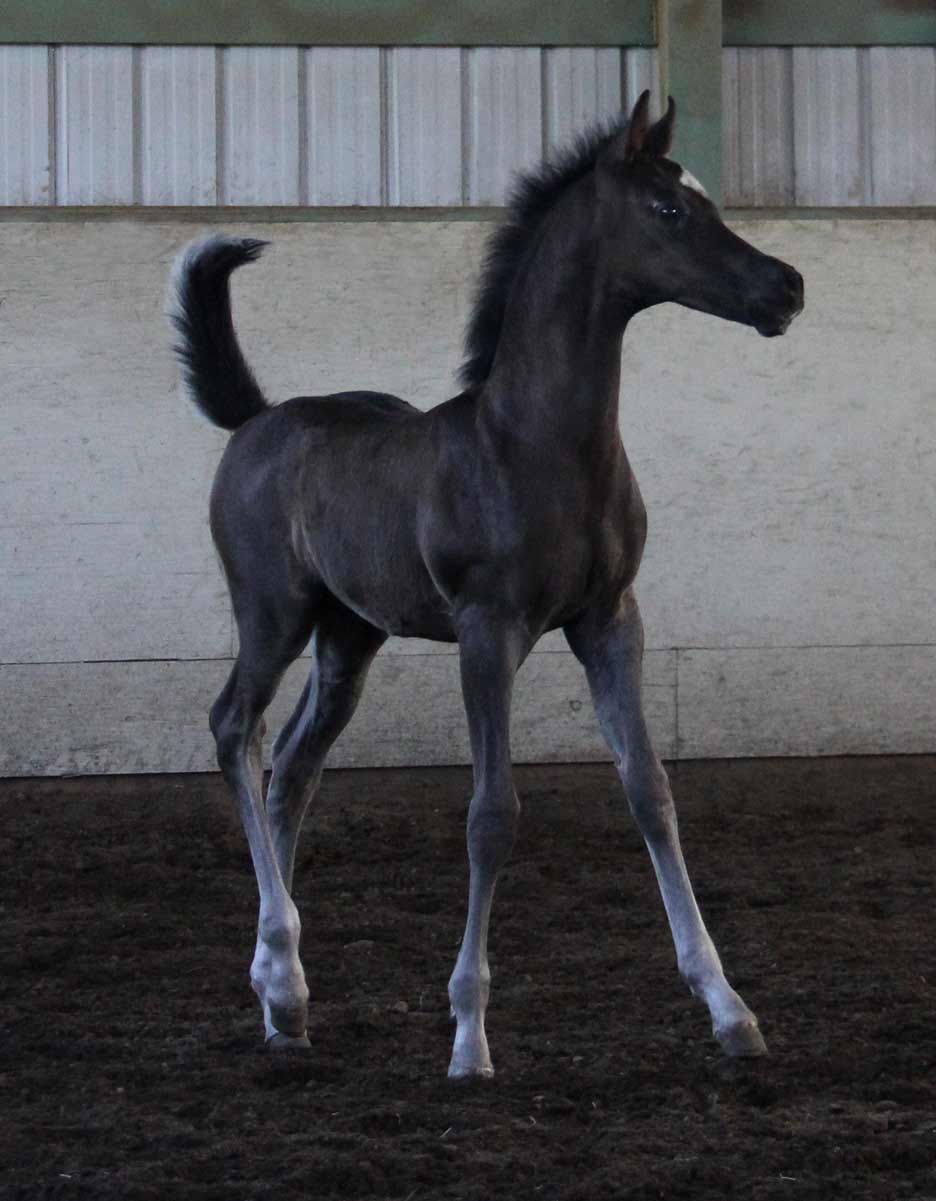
[556,374]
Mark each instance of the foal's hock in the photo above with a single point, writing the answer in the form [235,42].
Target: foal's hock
[507,511]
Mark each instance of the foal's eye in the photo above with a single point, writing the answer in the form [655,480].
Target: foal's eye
[668,211]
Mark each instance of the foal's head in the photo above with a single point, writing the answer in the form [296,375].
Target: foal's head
[663,239]
[655,234]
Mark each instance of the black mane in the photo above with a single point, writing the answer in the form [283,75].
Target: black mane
[532,196]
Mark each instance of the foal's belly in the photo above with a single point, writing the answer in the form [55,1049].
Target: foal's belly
[395,589]
[382,578]
[416,617]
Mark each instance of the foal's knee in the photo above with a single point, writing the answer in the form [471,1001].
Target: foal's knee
[492,827]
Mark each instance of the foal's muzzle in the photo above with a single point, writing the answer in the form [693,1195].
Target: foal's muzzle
[781,301]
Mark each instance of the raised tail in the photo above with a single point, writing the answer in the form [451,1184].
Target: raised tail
[214,369]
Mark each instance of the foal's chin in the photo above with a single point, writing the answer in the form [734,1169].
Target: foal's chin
[774,327]
[767,324]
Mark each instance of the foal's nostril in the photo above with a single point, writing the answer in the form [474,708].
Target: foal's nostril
[780,300]
[795,287]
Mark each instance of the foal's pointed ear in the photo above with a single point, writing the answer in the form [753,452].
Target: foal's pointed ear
[637,128]
[659,138]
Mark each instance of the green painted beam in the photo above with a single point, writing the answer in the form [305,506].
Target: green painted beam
[467,23]
[689,33]
[330,22]
[830,23]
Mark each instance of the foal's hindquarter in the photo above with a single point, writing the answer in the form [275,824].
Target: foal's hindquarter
[505,512]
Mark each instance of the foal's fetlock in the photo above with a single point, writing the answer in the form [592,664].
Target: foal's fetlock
[279,981]
[733,1024]
[280,934]
[471,1058]
[285,1009]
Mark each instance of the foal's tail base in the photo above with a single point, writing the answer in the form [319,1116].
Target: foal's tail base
[214,370]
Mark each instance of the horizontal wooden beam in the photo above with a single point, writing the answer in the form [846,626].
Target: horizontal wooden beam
[330,22]
[469,23]
[830,23]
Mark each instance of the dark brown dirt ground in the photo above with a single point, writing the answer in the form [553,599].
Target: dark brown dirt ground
[132,1064]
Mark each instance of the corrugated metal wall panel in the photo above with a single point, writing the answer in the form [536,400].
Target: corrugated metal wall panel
[828,126]
[94,126]
[641,71]
[259,154]
[178,136]
[424,126]
[504,119]
[731,127]
[582,86]
[757,138]
[903,124]
[343,104]
[24,125]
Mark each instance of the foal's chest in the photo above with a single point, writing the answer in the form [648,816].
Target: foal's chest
[585,547]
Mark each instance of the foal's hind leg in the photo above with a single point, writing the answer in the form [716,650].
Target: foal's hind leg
[266,650]
[611,648]
[343,648]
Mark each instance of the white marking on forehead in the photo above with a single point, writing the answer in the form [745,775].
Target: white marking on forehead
[688,180]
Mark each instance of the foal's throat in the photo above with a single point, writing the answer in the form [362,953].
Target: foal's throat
[558,363]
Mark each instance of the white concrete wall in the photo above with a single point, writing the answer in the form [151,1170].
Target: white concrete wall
[788,583]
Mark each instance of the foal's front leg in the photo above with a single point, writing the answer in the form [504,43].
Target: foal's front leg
[491,649]
[610,646]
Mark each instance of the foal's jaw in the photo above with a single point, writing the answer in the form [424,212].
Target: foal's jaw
[736,282]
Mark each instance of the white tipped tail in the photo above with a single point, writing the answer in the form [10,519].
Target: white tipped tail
[215,372]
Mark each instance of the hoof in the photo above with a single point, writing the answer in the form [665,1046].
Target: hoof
[289,1020]
[286,1042]
[743,1040]
[461,1074]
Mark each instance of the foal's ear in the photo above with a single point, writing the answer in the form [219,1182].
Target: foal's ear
[636,134]
[659,138]
[641,137]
